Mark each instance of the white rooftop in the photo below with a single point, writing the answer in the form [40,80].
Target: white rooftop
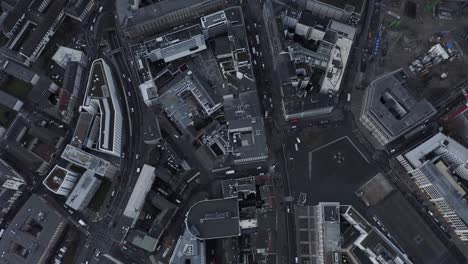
[141,189]
[416,156]
[64,55]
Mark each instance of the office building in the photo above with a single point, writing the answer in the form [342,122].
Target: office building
[142,21]
[321,238]
[188,249]
[79,9]
[318,63]
[69,99]
[29,33]
[12,186]
[345,11]
[33,234]
[18,71]
[101,99]
[86,131]
[88,161]
[61,181]
[10,101]
[138,196]
[436,165]
[185,97]
[214,219]
[246,132]
[215,23]
[176,45]
[149,92]
[389,109]
[84,191]
[64,55]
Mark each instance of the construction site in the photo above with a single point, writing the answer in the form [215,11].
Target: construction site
[427,38]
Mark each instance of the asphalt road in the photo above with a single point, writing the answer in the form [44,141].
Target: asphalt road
[102,231]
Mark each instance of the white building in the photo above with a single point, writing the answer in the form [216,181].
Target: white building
[84,191]
[149,92]
[101,99]
[138,196]
[64,55]
[61,181]
[434,166]
[175,45]
[88,161]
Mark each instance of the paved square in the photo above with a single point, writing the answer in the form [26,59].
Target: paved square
[331,172]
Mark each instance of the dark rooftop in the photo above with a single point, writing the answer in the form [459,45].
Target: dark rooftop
[82,128]
[394,108]
[211,219]
[46,23]
[309,19]
[97,82]
[32,233]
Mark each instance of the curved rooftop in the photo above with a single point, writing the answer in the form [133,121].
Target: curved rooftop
[212,219]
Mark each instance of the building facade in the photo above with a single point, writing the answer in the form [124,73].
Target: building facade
[434,166]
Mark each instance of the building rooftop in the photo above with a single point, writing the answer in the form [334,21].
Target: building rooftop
[437,161]
[232,187]
[157,9]
[213,19]
[319,54]
[390,108]
[32,234]
[188,248]
[141,189]
[82,129]
[176,45]
[47,21]
[85,160]
[101,98]
[64,55]
[371,241]
[10,101]
[439,144]
[212,219]
[56,177]
[348,5]
[185,96]
[77,8]
[18,71]
[245,127]
[84,190]
[8,172]
[142,240]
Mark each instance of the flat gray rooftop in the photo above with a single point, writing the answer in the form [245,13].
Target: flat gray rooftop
[159,8]
[84,190]
[357,5]
[212,219]
[82,129]
[392,105]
